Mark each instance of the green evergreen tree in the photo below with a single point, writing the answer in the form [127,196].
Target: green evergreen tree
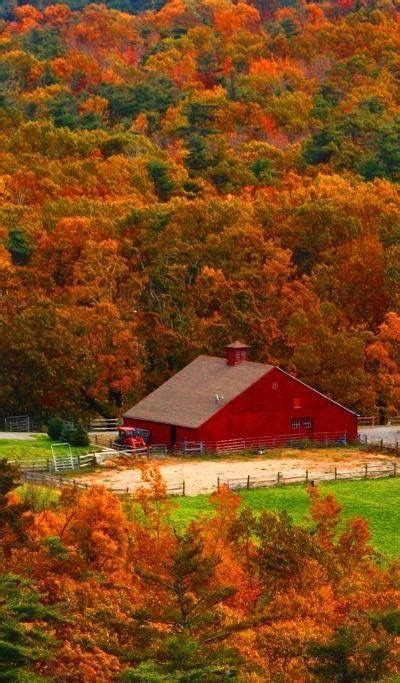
[159,173]
[79,436]
[19,247]
[192,647]
[23,643]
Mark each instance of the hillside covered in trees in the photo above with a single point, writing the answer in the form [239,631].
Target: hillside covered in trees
[175,178]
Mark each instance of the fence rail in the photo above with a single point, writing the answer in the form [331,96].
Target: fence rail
[17,423]
[189,448]
[260,443]
[366,421]
[64,464]
[104,425]
[367,471]
[394,420]
[147,452]
[381,444]
[57,482]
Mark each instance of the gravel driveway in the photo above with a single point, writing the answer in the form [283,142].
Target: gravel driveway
[390,435]
[20,436]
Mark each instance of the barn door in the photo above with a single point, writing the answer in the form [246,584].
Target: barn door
[173,435]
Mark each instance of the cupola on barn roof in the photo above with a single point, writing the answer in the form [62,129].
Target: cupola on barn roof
[237,345]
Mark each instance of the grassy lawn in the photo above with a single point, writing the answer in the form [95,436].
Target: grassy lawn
[38,447]
[377,500]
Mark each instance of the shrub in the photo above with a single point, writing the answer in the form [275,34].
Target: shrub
[66,434]
[79,436]
[55,427]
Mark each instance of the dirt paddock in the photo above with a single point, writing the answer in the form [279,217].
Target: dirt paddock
[201,476]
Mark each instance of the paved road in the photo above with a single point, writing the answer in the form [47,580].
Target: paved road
[374,434]
[22,436]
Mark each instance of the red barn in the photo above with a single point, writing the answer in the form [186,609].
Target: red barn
[216,399]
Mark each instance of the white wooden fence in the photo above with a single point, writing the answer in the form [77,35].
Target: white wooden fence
[104,425]
[59,464]
[261,443]
[160,450]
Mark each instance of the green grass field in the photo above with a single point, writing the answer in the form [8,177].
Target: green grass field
[377,500]
[38,447]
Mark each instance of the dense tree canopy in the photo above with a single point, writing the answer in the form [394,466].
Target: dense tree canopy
[175,178]
[99,589]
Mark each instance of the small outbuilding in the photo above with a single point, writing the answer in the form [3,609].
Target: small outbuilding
[221,399]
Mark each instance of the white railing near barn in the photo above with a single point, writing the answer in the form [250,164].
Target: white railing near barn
[57,464]
[160,450]
[366,420]
[261,443]
[394,420]
[104,425]
[190,448]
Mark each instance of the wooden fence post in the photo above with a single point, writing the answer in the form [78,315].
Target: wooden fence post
[183,488]
[278,478]
[248,482]
[366,471]
[397,448]
[218,484]
[306,476]
[335,473]
[381,444]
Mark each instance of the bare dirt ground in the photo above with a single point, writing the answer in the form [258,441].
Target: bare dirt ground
[201,476]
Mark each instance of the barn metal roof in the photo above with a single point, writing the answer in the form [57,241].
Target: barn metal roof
[189,398]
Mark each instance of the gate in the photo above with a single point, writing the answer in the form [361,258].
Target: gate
[18,423]
[192,448]
[64,461]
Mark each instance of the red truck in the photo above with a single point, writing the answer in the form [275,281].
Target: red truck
[130,438]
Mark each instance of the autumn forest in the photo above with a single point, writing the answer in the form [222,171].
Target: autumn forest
[175,177]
